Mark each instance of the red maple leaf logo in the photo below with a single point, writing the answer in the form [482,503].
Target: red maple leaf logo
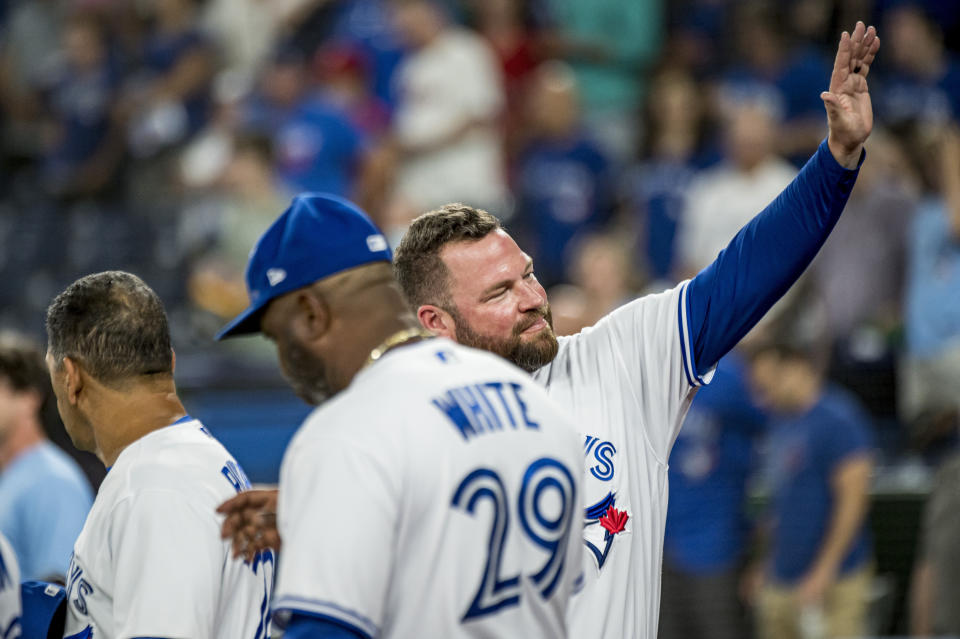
[615,520]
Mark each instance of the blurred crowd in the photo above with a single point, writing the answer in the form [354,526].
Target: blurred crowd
[623,142]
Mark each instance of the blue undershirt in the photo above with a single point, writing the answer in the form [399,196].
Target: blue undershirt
[727,298]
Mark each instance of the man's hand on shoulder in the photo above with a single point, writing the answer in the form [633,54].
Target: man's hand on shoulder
[849,110]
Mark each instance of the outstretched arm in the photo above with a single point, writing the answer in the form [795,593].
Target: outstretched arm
[727,298]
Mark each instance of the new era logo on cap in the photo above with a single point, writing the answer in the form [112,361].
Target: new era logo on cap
[276,275]
[376,243]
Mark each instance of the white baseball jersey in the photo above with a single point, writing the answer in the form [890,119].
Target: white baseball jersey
[9,591]
[149,561]
[628,382]
[437,496]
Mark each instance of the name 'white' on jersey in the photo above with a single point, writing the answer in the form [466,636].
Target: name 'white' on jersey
[439,495]
[149,561]
[9,590]
[628,382]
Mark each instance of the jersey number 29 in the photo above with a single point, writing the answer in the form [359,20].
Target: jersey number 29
[543,522]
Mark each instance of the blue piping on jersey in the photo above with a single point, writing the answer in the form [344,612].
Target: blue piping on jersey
[295,605]
[683,325]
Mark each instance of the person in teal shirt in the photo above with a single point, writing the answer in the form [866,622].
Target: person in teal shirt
[611,44]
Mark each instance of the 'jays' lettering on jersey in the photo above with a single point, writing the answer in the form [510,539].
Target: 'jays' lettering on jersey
[149,561]
[9,591]
[626,382]
[439,495]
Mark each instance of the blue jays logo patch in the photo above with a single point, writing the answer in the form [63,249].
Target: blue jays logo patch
[603,516]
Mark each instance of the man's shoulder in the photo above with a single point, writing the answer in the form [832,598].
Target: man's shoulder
[648,307]
[184,459]
[644,317]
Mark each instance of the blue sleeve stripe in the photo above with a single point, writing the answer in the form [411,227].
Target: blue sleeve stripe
[329,609]
[315,625]
[683,325]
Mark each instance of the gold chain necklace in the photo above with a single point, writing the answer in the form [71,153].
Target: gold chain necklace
[397,339]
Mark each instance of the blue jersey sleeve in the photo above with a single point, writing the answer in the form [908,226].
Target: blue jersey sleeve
[304,627]
[727,298]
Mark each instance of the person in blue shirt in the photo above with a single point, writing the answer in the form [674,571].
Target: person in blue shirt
[922,82]
[87,149]
[179,57]
[366,24]
[707,529]
[316,146]
[167,99]
[819,459]
[786,77]
[44,497]
[563,177]
[676,150]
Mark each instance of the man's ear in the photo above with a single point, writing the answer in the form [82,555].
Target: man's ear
[437,321]
[312,319]
[75,380]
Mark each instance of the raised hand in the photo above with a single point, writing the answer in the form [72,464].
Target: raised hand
[251,522]
[849,110]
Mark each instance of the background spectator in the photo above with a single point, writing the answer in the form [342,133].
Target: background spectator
[923,78]
[316,146]
[675,150]
[936,581]
[520,44]
[86,149]
[708,533]
[788,77]
[167,100]
[601,279]
[447,120]
[44,497]
[725,197]
[564,181]
[611,44]
[931,375]
[817,577]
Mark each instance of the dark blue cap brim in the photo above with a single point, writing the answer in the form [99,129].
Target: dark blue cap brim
[246,323]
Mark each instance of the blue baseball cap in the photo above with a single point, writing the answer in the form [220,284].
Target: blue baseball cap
[317,236]
[44,610]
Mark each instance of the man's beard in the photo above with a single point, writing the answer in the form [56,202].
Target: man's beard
[530,354]
[306,374]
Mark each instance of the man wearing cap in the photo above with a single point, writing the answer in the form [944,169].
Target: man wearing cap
[438,493]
